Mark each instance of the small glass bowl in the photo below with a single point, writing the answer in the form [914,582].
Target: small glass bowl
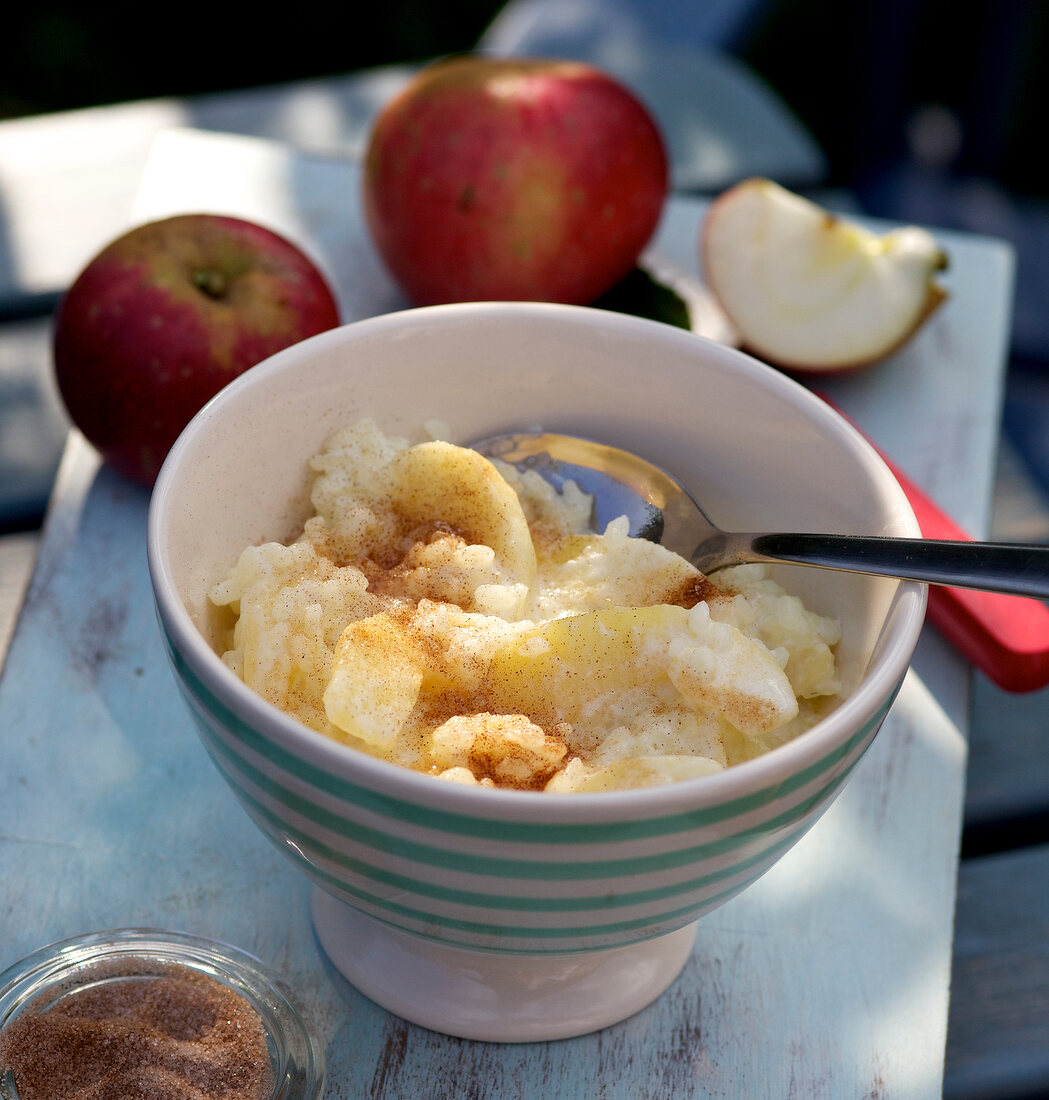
[296,1058]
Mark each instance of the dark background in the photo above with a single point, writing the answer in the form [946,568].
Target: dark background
[61,54]
[929,111]
[854,72]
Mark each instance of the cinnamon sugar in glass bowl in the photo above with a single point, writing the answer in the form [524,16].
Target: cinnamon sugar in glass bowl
[172,1014]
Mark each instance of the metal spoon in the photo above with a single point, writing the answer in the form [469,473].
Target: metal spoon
[660,509]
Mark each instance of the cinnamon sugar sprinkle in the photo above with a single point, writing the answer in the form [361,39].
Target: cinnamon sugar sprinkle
[174,1034]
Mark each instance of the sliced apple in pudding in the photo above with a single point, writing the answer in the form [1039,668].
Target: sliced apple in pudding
[810,291]
[439,481]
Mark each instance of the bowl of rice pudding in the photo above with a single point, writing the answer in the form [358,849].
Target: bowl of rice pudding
[518,756]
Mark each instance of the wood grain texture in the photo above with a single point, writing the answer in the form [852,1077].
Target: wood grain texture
[828,978]
[33,423]
[998,1038]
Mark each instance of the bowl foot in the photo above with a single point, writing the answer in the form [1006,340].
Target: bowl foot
[493,996]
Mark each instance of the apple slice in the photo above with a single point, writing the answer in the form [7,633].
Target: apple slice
[375,681]
[458,486]
[810,291]
[579,669]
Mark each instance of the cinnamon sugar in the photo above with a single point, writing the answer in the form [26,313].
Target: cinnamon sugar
[174,1034]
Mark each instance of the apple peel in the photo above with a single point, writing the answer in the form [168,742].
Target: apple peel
[811,291]
[509,178]
[166,315]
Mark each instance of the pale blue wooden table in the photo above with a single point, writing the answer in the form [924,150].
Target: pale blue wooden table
[829,978]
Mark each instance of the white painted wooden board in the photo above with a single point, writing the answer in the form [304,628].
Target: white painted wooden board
[828,978]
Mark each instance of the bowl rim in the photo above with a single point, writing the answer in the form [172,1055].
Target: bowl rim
[871,698]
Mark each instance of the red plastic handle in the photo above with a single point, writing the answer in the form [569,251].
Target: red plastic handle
[1007,637]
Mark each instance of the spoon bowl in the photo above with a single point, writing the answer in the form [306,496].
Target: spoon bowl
[660,508]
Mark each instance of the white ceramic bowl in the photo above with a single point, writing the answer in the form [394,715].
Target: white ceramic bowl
[502,914]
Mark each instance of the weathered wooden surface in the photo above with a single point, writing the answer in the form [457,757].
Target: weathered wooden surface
[998,1040]
[998,1029]
[828,978]
[116,817]
[33,424]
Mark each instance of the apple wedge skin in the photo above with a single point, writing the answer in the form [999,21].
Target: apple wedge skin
[165,316]
[809,291]
[937,297]
[513,179]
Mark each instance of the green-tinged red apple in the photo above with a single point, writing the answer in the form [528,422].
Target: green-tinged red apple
[165,316]
[499,178]
[810,291]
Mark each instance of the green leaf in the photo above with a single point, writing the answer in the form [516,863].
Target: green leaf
[644,296]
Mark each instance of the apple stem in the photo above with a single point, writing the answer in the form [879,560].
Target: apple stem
[210,282]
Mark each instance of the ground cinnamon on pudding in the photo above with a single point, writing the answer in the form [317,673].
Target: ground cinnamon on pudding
[176,1035]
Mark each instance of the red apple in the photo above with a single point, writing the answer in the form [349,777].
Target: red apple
[499,178]
[165,316]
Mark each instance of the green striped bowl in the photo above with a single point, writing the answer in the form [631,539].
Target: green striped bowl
[450,875]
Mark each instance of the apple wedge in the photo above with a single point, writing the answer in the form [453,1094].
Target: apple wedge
[810,291]
[459,487]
